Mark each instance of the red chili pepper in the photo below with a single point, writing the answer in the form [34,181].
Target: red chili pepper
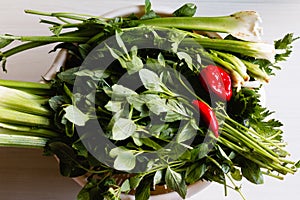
[217,80]
[208,116]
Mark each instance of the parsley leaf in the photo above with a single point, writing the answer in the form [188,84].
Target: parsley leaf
[284,44]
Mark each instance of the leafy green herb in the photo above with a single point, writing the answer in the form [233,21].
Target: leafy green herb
[187,10]
[284,45]
[175,181]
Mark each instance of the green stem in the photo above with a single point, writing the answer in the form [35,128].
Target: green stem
[239,66]
[26,86]
[9,140]
[96,38]
[27,130]
[256,71]
[224,24]
[38,41]
[246,153]
[252,144]
[20,118]
[275,165]
[47,39]
[253,49]
[272,175]
[268,140]
[236,188]
[230,144]
[228,176]
[67,15]
[13,99]
[20,48]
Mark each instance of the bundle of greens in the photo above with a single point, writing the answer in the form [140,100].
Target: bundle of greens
[121,106]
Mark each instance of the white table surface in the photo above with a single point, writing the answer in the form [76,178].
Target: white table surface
[26,174]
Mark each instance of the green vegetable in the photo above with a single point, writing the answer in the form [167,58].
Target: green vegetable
[243,25]
[132,118]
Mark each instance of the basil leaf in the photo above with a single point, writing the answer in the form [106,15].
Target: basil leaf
[150,143]
[134,65]
[157,105]
[185,133]
[195,172]
[176,38]
[125,187]
[137,101]
[119,91]
[187,58]
[201,151]
[74,115]
[95,74]
[68,164]
[251,171]
[176,182]
[116,151]
[81,150]
[114,106]
[123,128]
[143,189]
[125,161]
[135,181]
[68,76]
[150,80]
[149,13]
[56,102]
[120,41]
[157,177]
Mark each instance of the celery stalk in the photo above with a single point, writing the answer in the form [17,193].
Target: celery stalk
[256,71]
[23,101]
[254,49]
[32,131]
[30,87]
[22,141]
[238,65]
[20,118]
[243,25]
